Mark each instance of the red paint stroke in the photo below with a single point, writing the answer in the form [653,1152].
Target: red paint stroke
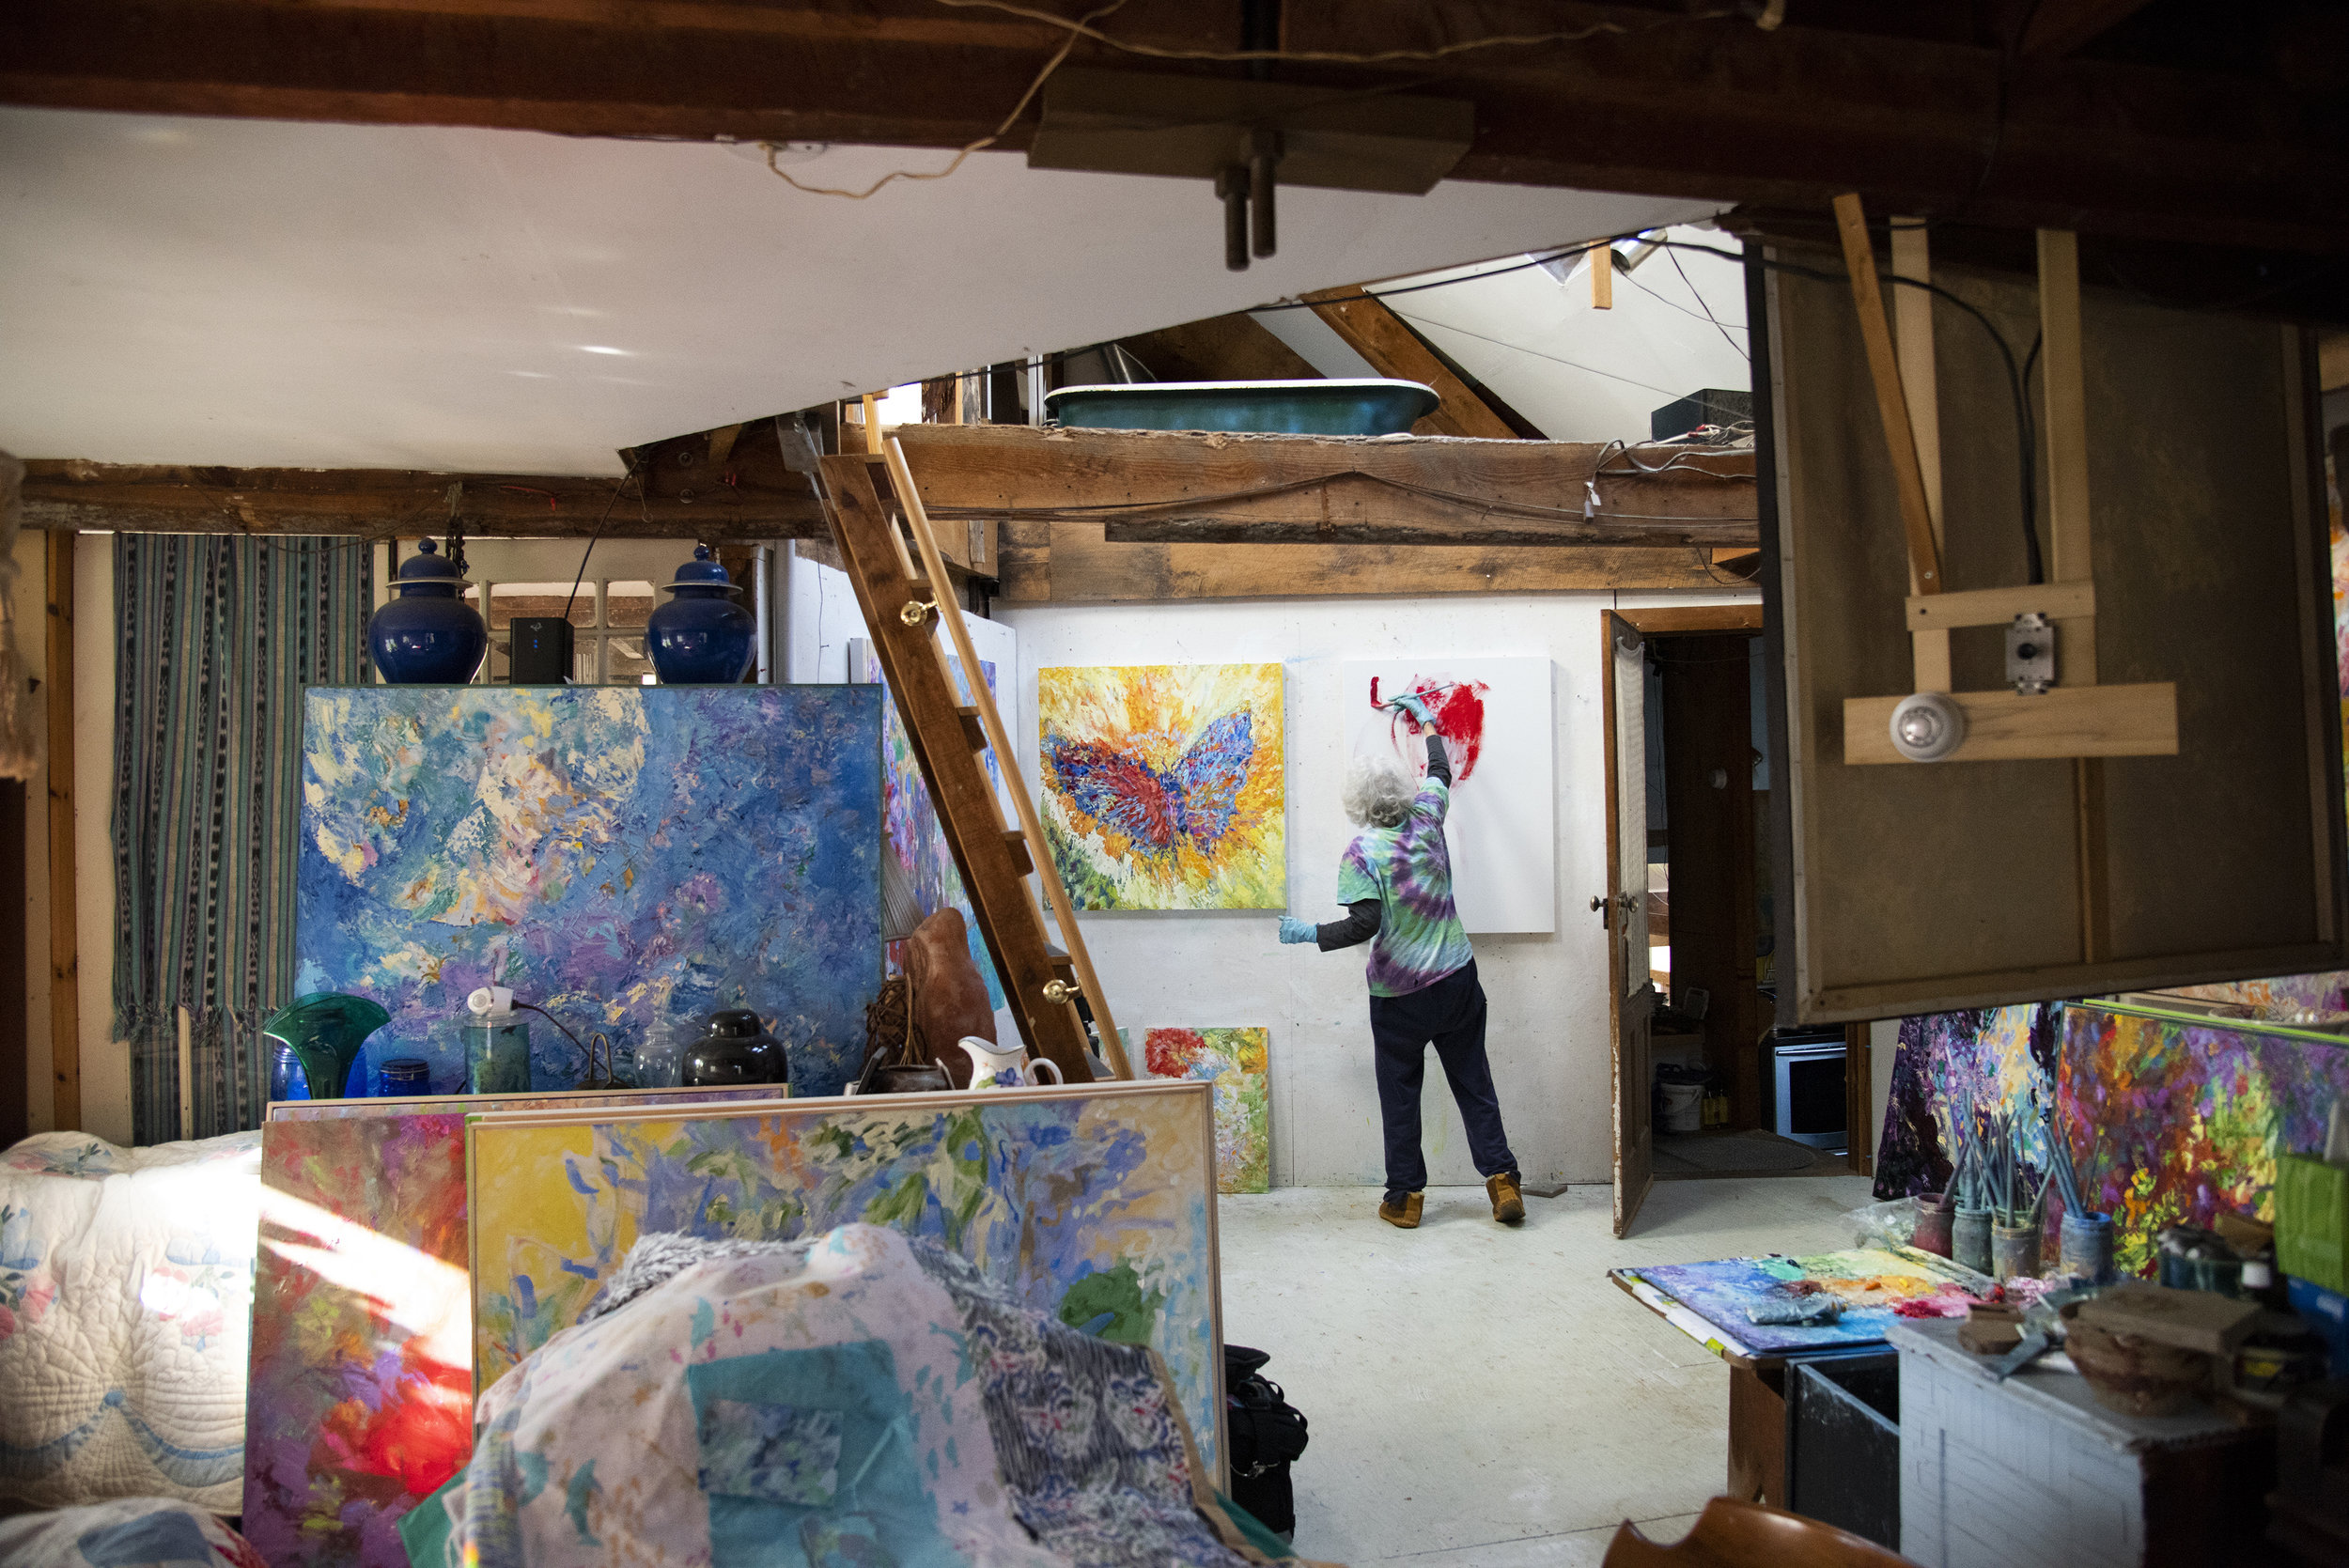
[1169,1052]
[1459,706]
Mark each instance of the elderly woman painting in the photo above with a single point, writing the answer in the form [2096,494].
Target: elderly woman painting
[1396,880]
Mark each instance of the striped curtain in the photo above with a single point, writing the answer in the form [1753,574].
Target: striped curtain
[216,637]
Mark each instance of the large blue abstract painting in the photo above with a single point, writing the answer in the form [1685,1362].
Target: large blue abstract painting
[627,858]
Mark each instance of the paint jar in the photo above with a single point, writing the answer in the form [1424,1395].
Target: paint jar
[2086,1246]
[1932,1224]
[1969,1238]
[2014,1252]
[497,1057]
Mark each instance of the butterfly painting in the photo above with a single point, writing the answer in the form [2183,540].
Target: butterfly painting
[1163,785]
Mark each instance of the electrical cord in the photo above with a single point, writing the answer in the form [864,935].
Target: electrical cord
[619,485]
[2025,437]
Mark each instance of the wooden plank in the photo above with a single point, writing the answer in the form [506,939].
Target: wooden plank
[384,504]
[969,813]
[1078,566]
[65,1012]
[1603,278]
[2070,556]
[1998,606]
[1048,873]
[1900,436]
[1912,318]
[1352,509]
[1859,1131]
[1663,620]
[1375,332]
[2004,726]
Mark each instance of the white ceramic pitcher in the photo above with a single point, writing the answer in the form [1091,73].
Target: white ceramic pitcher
[1005,1068]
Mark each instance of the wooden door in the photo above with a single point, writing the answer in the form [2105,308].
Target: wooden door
[1630,1000]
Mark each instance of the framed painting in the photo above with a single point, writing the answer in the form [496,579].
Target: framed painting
[1095,1202]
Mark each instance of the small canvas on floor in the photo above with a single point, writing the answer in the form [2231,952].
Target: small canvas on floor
[1495,716]
[1234,1060]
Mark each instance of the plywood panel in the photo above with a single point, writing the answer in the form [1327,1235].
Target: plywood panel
[1935,887]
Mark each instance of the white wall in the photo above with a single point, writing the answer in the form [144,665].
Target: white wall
[1548,1033]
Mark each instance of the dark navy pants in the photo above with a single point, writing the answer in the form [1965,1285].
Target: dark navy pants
[1450,1014]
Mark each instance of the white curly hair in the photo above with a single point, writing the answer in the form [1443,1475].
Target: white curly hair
[1377,792]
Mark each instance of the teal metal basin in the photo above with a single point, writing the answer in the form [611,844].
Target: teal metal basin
[1325,408]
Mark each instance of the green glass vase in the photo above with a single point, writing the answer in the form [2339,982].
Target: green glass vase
[326,1031]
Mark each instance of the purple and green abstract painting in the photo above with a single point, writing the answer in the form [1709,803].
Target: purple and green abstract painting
[628,858]
[2167,1120]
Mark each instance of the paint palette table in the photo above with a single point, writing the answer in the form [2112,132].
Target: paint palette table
[1712,1302]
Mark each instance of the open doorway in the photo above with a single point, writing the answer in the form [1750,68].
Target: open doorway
[1704,1086]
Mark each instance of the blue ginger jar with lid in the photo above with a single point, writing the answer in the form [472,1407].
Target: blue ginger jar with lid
[701,637]
[429,635]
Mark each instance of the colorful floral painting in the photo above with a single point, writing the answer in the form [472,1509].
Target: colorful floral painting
[359,1395]
[1162,784]
[2168,1121]
[1095,1204]
[1234,1060]
[627,858]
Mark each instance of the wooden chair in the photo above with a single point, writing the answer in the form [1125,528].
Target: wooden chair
[1733,1534]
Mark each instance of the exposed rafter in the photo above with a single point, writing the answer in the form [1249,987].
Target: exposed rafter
[1918,115]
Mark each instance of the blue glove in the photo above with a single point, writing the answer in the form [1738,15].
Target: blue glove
[1296,930]
[1416,707]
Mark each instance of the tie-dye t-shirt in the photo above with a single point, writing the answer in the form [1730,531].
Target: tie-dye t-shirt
[1408,869]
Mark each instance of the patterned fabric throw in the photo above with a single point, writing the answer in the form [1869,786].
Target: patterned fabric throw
[1408,869]
[821,1393]
[217,635]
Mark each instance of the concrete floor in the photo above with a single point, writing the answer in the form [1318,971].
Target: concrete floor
[1486,1398]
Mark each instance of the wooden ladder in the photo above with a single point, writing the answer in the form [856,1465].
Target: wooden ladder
[874,507]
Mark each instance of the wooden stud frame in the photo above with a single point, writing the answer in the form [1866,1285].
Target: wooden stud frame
[2079,718]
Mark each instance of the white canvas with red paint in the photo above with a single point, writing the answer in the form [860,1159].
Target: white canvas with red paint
[1495,716]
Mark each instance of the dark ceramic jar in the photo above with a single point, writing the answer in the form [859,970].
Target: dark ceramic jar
[428,636]
[701,637]
[735,1050]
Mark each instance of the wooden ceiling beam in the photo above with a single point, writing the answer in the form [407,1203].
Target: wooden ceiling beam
[1373,331]
[69,494]
[1668,104]
[1260,491]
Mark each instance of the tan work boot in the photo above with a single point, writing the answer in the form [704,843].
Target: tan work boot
[1508,1201]
[1405,1215]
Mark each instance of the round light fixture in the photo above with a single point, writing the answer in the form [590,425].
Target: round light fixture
[1928,726]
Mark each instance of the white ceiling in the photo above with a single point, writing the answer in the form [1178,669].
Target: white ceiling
[261,293]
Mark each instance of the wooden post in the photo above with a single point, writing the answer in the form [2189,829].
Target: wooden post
[1912,315]
[65,1014]
[1603,278]
[1900,436]
[2071,557]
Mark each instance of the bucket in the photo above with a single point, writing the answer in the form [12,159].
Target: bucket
[2014,1252]
[1969,1239]
[1932,1224]
[2086,1248]
[1684,1107]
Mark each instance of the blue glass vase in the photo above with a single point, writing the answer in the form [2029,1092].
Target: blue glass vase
[428,636]
[701,637]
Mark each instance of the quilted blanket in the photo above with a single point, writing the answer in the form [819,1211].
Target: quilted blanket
[125,1293]
[130,1533]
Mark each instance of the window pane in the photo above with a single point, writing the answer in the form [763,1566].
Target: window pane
[625,663]
[627,603]
[509,600]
